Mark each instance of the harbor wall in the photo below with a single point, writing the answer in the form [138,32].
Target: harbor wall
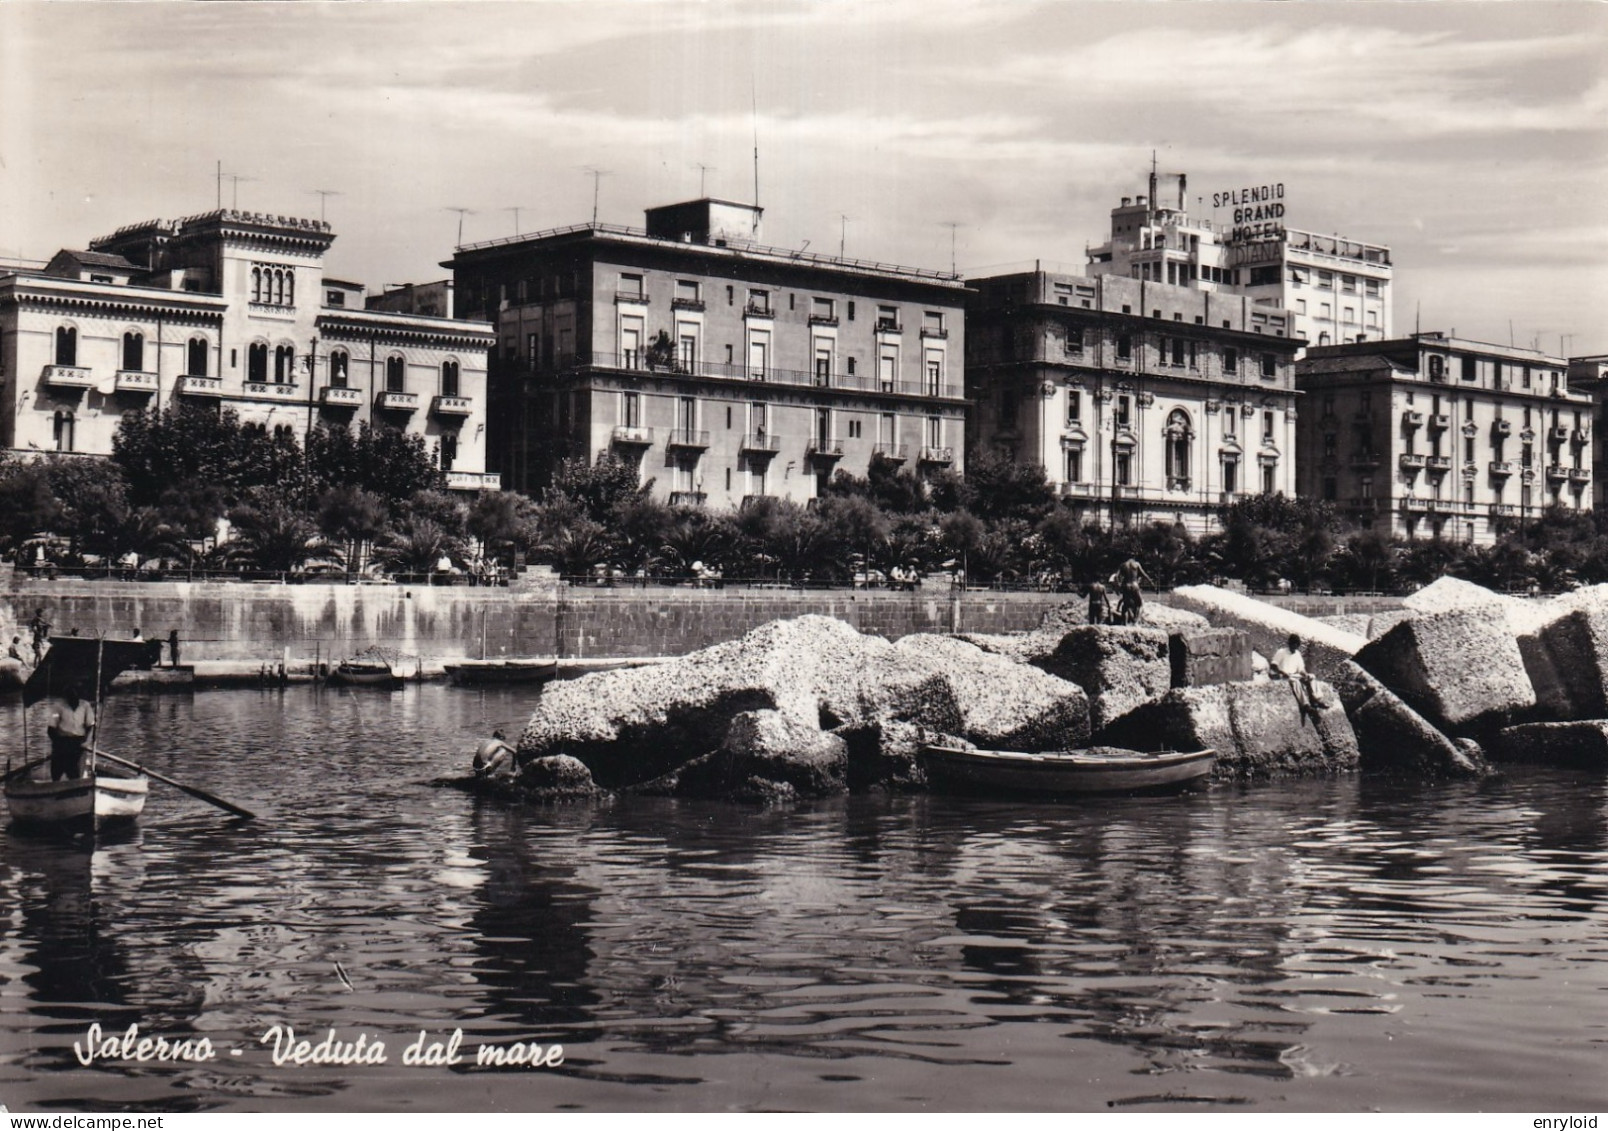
[535,617]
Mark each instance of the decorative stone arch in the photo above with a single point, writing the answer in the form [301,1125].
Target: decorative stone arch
[285,363]
[196,351]
[451,372]
[132,357]
[257,362]
[66,351]
[396,373]
[1178,436]
[340,366]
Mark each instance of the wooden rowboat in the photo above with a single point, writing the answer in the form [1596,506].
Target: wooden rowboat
[366,673]
[102,798]
[501,671]
[1101,769]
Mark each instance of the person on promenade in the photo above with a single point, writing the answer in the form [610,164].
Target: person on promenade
[495,757]
[40,627]
[173,647]
[70,726]
[1099,604]
[1289,664]
[1131,597]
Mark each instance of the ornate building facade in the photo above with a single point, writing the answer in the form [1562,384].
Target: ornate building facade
[229,308]
[723,369]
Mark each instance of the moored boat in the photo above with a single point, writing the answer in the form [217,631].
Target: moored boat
[501,671]
[366,672]
[1101,769]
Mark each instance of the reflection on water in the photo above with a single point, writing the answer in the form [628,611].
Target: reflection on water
[1338,945]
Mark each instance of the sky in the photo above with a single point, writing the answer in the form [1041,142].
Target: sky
[1471,138]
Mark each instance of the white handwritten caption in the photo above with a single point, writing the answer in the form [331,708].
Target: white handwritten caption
[335,1049]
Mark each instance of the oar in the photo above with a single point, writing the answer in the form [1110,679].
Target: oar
[210,799]
[26,766]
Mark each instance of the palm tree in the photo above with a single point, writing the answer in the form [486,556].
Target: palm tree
[417,546]
[270,535]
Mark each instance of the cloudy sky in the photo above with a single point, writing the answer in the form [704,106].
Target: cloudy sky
[1472,138]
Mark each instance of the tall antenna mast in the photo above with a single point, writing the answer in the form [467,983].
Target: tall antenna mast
[597,177]
[952,225]
[514,208]
[323,195]
[843,233]
[234,180]
[703,170]
[753,87]
[462,212]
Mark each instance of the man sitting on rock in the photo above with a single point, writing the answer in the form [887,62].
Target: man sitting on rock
[1291,665]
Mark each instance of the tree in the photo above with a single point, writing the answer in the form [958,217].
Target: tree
[28,505]
[156,449]
[270,534]
[594,490]
[388,462]
[504,521]
[640,526]
[417,545]
[354,517]
[1266,537]
[995,487]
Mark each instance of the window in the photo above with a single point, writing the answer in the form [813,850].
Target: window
[339,366]
[195,361]
[334,298]
[1468,449]
[1269,478]
[395,374]
[823,310]
[1326,280]
[932,322]
[1230,474]
[1230,360]
[759,302]
[935,432]
[887,318]
[449,378]
[64,428]
[1124,468]
[823,362]
[851,310]
[631,410]
[1471,370]
[631,286]
[1124,411]
[66,345]
[687,351]
[935,374]
[257,362]
[1179,435]
[449,450]
[1074,465]
[1124,347]
[284,365]
[1270,366]
[1074,406]
[133,351]
[1230,422]
[854,429]
[1348,283]
[688,293]
[1267,426]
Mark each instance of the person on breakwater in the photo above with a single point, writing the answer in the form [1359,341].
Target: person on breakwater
[494,757]
[1131,597]
[40,627]
[15,651]
[1290,664]
[1099,604]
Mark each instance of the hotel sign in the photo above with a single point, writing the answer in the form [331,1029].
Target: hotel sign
[1258,212]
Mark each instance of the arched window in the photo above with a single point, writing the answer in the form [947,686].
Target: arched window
[449,378]
[134,351]
[290,288]
[339,362]
[395,374]
[195,362]
[66,345]
[284,432]
[256,284]
[449,450]
[284,365]
[279,287]
[257,362]
[65,427]
[1179,434]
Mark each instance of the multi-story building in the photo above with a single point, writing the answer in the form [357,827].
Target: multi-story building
[1438,436]
[723,369]
[1336,289]
[229,308]
[1589,375]
[1143,401]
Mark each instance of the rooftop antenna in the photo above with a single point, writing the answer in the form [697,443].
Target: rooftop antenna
[843,233]
[952,225]
[514,208]
[597,177]
[462,212]
[234,187]
[753,89]
[703,171]
[323,195]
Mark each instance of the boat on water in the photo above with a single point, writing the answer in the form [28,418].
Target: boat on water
[1100,769]
[501,671]
[105,794]
[366,673]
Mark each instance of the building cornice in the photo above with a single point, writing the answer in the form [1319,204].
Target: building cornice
[42,292]
[418,328]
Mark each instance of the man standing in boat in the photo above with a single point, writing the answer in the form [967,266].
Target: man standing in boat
[71,724]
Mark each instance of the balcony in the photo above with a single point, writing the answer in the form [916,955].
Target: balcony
[1411,462]
[687,438]
[937,455]
[631,297]
[934,332]
[397,402]
[823,320]
[1077,490]
[1416,506]
[824,449]
[889,326]
[1438,463]
[1440,421]
[632,436]
[1364,461]
[340,396]
[1362,503]
[1501,427]
[688,498]
[1501,467]
[1503,510]
[761,442]
[1411,419]
[135,381]
[269,391]
[1580,474]
[1128,491]
[1582,435]
[897,453]
[1557,471]
[194,386]
[444,405]
[1558,434]
[474,481]
[69,376]
[754,309]
[686,304]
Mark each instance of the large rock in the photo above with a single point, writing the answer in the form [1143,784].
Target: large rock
[1204,656]
[1580,743]
[1119,666]
[1394,738]
[1258,729]
[1462,670]
[557,778]
[633,725]
[1004,704]
[1567,661]
[769,756]
[1021,647]
[12,673]
[1269,626]
[1153,615]
[1453,594]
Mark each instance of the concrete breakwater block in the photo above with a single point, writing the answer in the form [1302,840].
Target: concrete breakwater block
[1004,704]
[1269,626]
[1580,743]
[1394,738]
[1119,667]
[1258,729]
[1462,669]
[1205,656]
[1567,661]
[1453,594]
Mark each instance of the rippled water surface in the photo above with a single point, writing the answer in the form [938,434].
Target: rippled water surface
[1331,946]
